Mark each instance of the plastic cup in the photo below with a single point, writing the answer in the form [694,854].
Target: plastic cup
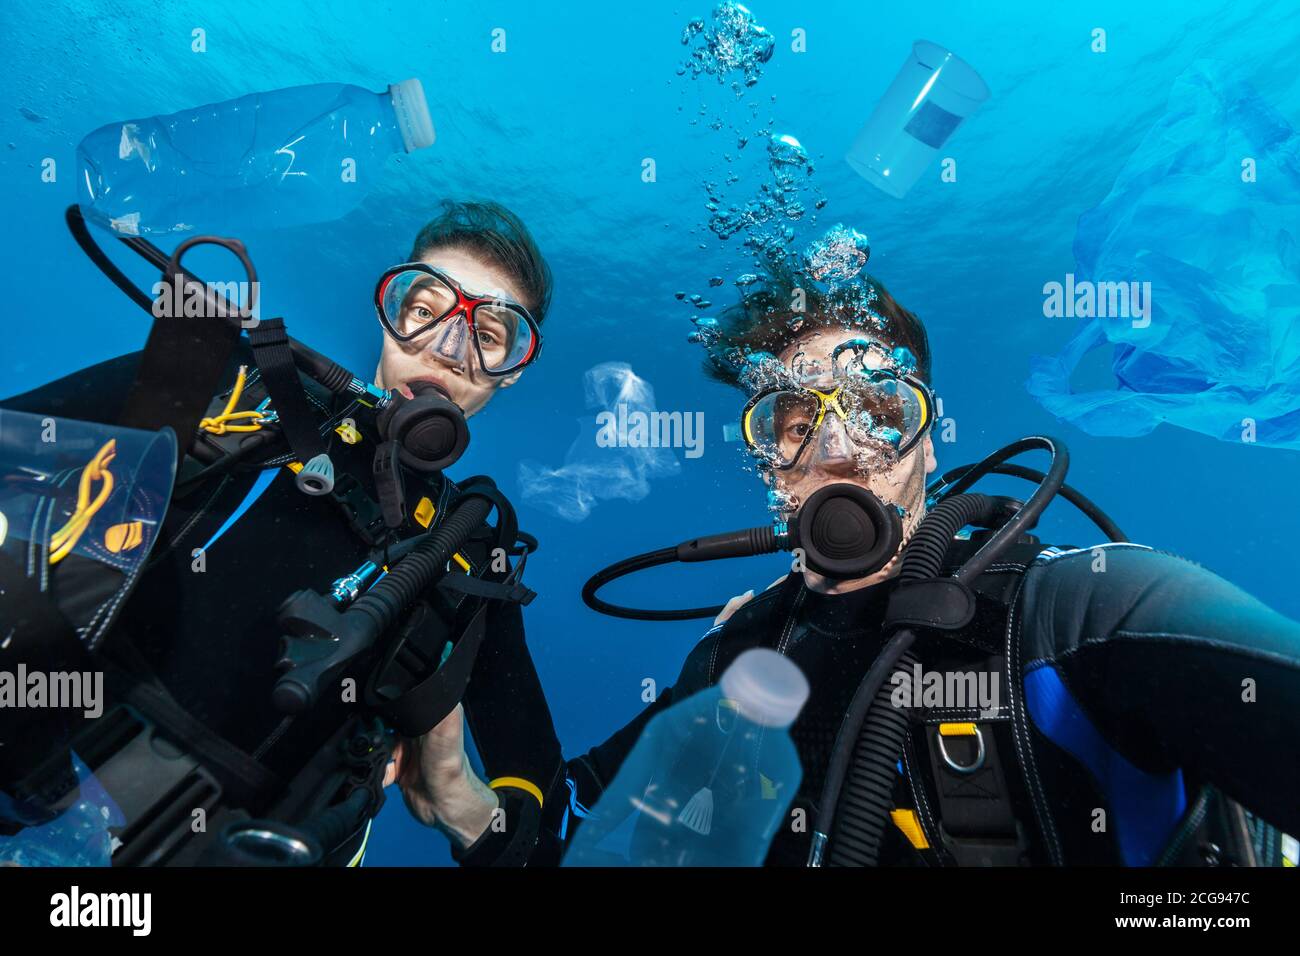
[933,92]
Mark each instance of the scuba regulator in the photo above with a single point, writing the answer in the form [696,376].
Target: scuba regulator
[847,533]
[843,531]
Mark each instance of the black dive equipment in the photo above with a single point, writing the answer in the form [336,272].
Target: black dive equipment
[401,622]
[429,429]
[853,538]
[843,531]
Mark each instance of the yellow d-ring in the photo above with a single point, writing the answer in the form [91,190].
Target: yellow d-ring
[961,730]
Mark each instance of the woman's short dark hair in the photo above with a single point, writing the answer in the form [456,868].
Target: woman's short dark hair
[767,320]
[493,232]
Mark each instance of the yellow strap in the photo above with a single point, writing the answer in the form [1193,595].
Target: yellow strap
[906,821]
[220,424]
[519,783]
[956,730]
[65,539]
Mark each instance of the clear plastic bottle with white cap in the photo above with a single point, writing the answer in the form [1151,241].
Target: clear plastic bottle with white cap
[709,781]
[283,158]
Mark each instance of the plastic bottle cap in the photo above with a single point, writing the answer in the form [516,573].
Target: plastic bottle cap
[412,111]
[768,687]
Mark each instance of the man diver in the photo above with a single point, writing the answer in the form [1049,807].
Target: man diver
[1148,710]
[195,648]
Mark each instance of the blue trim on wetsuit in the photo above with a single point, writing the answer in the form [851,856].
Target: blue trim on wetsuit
[574,807]
[263,482]
[1146,807]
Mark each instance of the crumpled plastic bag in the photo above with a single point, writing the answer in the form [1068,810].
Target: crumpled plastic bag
[593,471]
[79,836]
[1221,354]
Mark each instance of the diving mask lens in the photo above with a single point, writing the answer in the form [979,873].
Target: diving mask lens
[416,299]
[879,412]
[778,424]
[503,337]
[413,301]
[882,411]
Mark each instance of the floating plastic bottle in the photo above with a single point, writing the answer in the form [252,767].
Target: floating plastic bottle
[293,156]
[933,92]
[711,778]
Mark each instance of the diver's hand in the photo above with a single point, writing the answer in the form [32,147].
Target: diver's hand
[739,601]
[438,784]
[732,606]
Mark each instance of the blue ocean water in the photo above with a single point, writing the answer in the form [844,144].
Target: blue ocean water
[558,127]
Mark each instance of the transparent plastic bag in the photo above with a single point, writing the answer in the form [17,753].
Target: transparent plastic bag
[1207,210]
[78,836]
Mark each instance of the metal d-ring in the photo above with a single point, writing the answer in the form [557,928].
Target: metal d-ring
[964,768]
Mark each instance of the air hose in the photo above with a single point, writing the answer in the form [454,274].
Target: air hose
[842,531]
[858,792]
[415,573]
[947,482]
[322,641]
[862,810]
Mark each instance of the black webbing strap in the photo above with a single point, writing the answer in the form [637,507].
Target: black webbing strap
[513,592]
[196,738]
[421,707]
[505,532]
[184,357]
[974,806]
[181,369]
[274,359]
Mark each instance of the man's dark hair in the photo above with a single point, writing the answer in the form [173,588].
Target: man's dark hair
[493,232]
[766,320]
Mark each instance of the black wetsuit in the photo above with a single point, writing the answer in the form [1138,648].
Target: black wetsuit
[208,642]
[1145,690]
